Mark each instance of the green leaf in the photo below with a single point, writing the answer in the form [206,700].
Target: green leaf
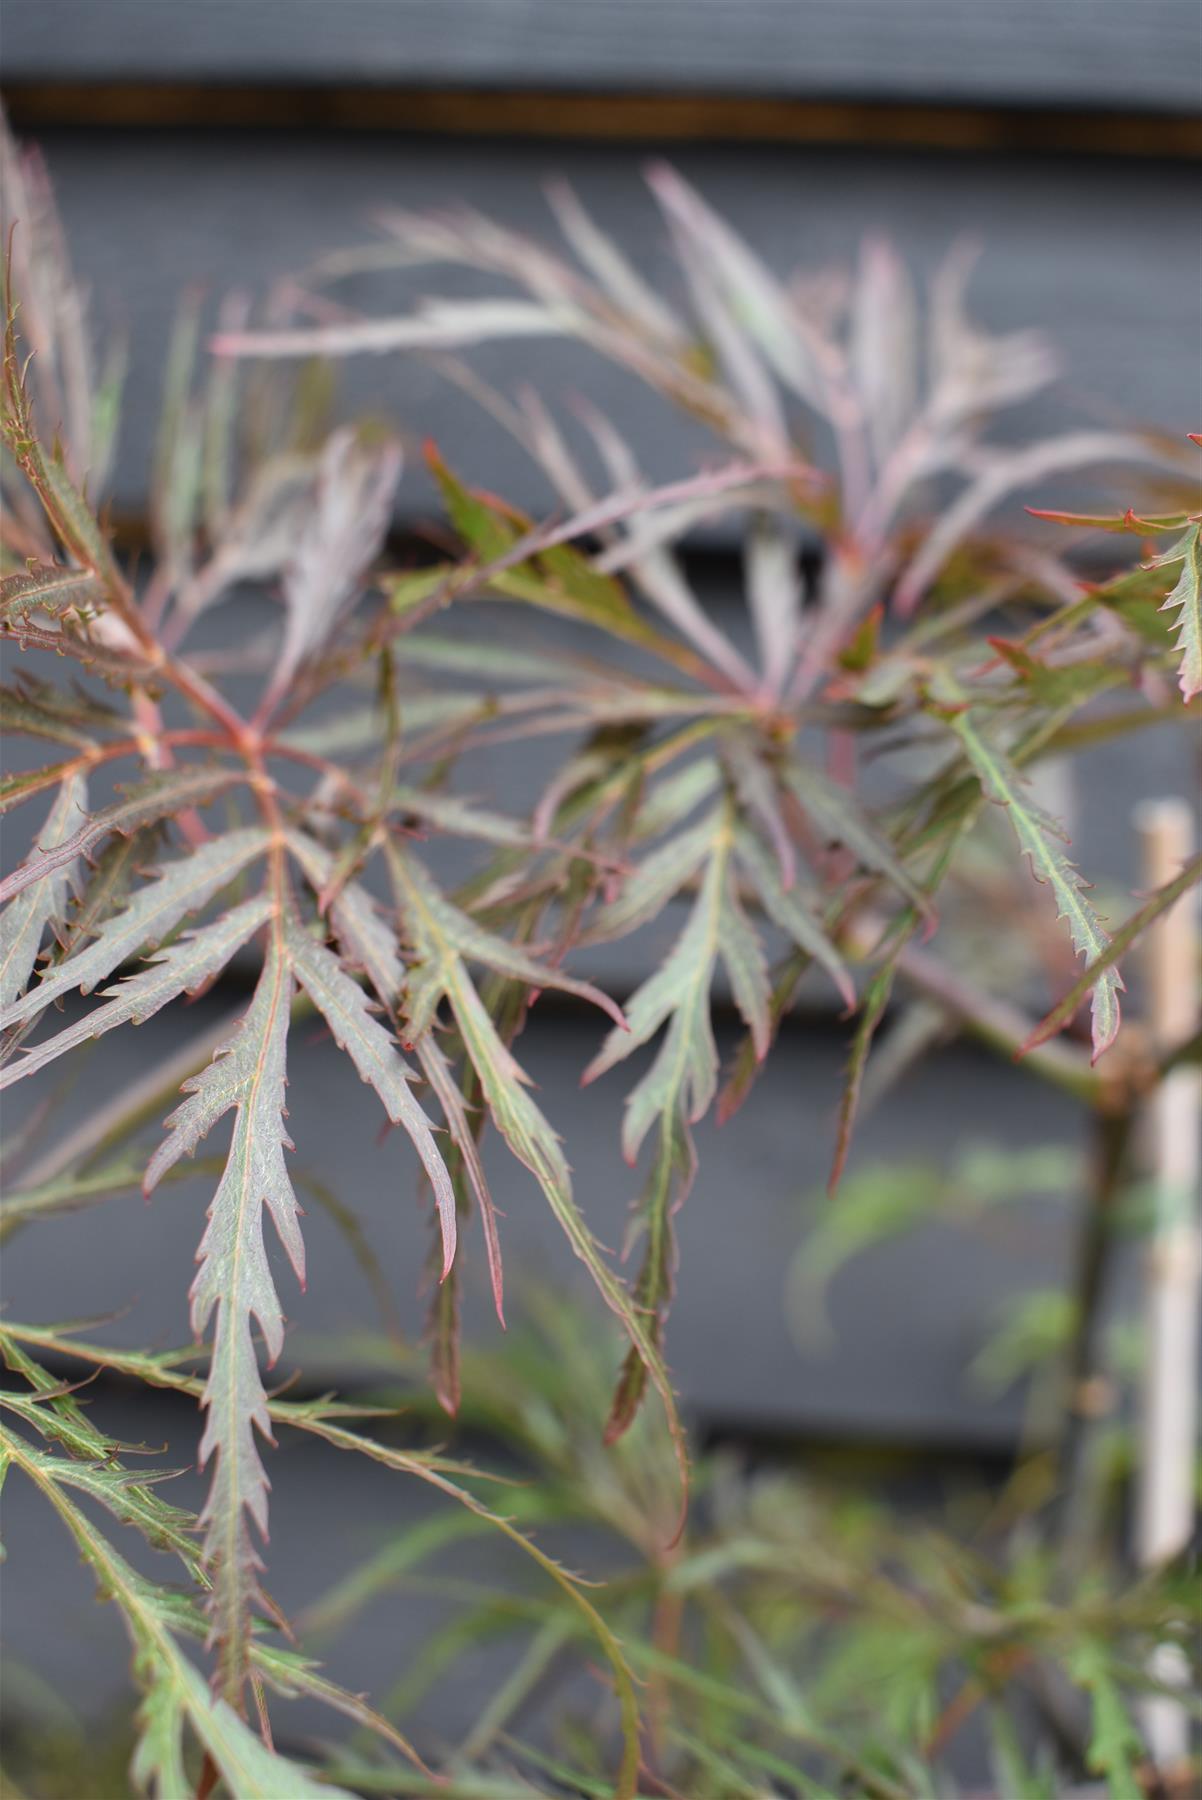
[556,577]
[1186,600]
[47,588]
[17,788]
[176,1695]
[407,592]
[1119,944]
[24,921]
[1040,837]
[876,1002]
[321,1419]
[1116,1748]
[182,887]
[486,527]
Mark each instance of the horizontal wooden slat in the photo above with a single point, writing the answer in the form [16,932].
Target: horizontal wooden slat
[1092,53]
[553,114]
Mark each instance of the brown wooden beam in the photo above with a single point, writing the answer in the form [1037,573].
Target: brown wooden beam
[675,118]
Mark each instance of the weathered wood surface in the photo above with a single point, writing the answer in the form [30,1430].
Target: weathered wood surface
[1073,53]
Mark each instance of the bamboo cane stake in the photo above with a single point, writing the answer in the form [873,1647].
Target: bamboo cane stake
[1173,1272]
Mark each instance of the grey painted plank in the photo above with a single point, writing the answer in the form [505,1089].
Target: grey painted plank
[148,214]
[1082,53]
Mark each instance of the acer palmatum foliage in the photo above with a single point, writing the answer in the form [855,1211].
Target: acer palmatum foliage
[683,775]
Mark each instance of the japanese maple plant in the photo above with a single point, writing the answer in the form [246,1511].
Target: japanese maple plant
[893,627]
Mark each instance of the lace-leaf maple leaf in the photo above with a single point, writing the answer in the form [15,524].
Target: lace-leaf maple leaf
[234,1279]
[190,964]
[176,1697]
[443,939]
[45,588]
[347,1011]
[24,922]
[1040,838]
[1186,601]
[182,887]
[159,796]
[679,1087]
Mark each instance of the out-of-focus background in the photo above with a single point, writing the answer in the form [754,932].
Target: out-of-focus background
[226,143]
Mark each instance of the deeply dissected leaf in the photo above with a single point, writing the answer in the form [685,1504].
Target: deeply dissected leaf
[323,1419]
[46,588]
[155,1616]
[679,1087]
[106,885]
[1040,838]
[17,788]
[757,300]
[608,265]
[1186,601]
[176,1695]
[463,1137]
[234,1279]
[370,1047]
[160,796]
[437,923]
[182,887]
[188,966]
[1122,940]
[450,813]
[659,876]
[658,571]
[25,920]
[1116,1747]
[713,756]
[65,715]
[440,327]
[883,345]
[440,973]
[368,943]
[343,533]
[873,1008]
